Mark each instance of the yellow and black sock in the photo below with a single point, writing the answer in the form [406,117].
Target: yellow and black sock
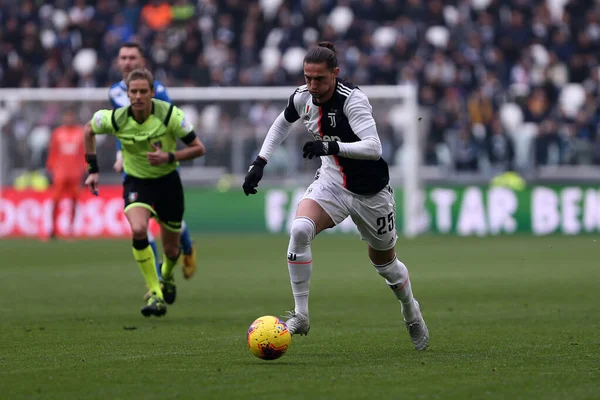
[168,265]
[144,256]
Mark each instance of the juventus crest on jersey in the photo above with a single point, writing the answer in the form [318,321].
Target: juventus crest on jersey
[339,119]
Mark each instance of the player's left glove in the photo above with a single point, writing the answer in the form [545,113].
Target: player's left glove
[319,148]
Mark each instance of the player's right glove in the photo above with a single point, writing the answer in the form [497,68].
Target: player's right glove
[254,175]
[318,148]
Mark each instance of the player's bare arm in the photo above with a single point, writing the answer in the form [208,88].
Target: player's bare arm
[89,140]
[118,165]
[89,143]
[195,149]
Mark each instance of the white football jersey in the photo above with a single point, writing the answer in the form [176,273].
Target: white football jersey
[347,112]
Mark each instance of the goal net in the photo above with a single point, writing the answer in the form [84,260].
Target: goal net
[231,121]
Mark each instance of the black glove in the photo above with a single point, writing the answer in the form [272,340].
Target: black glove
[254,175]
[319,148]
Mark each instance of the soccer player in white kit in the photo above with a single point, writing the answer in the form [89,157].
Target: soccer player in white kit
[353,181]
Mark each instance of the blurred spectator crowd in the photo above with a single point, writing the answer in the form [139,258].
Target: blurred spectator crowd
[503,84]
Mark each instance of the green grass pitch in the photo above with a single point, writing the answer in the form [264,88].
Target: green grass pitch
[509,317]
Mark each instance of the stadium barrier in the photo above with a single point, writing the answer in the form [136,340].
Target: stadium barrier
[453,210]
[28,213]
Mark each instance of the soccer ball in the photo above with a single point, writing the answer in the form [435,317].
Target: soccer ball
[268,337]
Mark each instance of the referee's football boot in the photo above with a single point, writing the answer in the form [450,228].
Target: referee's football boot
[155,306]
[169,289]
[149,293]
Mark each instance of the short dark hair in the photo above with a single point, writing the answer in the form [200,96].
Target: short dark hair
[324,52]
[132,45]
[139,74]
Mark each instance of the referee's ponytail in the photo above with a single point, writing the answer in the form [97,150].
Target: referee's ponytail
[324,52]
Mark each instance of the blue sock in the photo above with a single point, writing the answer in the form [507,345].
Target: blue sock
[153,247]
[186,240]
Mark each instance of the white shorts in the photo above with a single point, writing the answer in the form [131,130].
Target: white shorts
[374,216]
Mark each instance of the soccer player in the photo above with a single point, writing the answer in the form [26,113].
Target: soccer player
[65,165]
[353,181]
[131,57]
[148,130]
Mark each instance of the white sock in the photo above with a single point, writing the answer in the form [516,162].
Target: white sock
[300,261]
[396,276]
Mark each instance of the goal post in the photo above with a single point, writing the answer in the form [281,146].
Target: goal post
[396,104]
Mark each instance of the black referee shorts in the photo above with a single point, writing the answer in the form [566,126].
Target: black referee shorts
[162,196]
